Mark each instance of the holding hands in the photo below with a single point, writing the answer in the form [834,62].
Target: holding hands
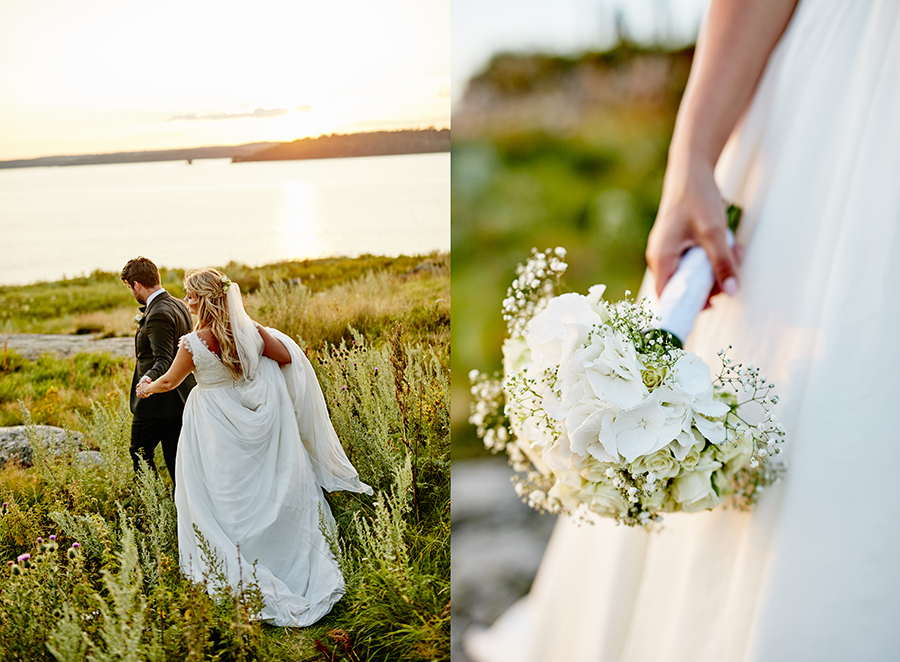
[141,390]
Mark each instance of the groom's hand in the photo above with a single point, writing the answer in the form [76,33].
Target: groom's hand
[141,385]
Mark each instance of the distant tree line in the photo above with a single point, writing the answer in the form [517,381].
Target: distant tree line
[337,145]
[185,154]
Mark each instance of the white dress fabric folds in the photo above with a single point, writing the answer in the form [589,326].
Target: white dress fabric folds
[813,574]
[253,457]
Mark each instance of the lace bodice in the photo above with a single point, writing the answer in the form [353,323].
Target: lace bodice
[209,370]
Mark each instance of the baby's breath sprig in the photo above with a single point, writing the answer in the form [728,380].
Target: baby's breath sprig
[748,383]
[526,402]
[741,385]
[534,284]
[533,488]
[486,411]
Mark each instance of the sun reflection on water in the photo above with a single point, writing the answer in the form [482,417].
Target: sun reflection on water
[299,228]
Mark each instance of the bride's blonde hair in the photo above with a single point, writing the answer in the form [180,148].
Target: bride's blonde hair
[210,286]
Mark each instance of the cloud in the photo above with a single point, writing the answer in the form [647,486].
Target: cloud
[443,94]
[303,108]
[259,113]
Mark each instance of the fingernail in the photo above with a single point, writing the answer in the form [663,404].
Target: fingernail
[730,286]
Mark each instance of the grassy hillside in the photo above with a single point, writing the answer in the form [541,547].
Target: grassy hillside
[118,593]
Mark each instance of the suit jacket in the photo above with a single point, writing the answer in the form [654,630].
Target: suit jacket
[165,320]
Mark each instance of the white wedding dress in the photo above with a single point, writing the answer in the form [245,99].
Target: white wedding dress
[253,457]
[813,574]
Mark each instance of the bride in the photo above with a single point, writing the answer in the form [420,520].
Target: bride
[256,448]
[810,97]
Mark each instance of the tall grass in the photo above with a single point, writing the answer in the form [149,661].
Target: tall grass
[59,391]
[100,304]
[120,595]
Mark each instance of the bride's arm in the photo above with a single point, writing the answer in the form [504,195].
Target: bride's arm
[732,51]
[181,367]
[273,348]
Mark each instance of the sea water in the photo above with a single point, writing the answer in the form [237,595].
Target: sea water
[58,222]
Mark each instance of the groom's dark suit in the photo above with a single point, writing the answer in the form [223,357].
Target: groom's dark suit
[158,418]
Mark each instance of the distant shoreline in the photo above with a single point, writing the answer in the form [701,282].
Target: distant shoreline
[377,143]
[338,145]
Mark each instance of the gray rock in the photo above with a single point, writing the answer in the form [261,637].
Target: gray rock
[15,445]
[32,345]
[90,458]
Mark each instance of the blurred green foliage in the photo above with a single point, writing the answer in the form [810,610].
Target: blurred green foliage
[593,188]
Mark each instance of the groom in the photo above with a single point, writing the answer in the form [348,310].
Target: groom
[163,321]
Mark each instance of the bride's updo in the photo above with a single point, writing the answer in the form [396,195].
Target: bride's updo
[210,286]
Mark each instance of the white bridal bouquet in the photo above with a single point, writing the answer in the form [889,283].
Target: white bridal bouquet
[600,410]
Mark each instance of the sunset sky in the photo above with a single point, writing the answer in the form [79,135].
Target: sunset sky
[98,76]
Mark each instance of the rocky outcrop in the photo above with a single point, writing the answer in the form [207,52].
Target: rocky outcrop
[32,345]
[15,443]
[559,95]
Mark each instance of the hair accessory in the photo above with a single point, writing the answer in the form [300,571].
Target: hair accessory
[226,283]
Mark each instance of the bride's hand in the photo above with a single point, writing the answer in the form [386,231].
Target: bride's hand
[691,213]
[141,389]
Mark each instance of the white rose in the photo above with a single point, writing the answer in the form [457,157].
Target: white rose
[692,457]
[566,495]
[653,376]
[694,490]
[594,471]
[735,453]
[658,501]
[661,462]
[603,499]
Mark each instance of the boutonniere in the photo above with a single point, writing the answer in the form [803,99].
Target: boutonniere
[138,318]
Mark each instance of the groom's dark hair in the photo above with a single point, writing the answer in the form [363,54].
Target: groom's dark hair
[140,270]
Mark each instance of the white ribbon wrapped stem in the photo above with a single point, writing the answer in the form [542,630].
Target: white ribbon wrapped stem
[687,291]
